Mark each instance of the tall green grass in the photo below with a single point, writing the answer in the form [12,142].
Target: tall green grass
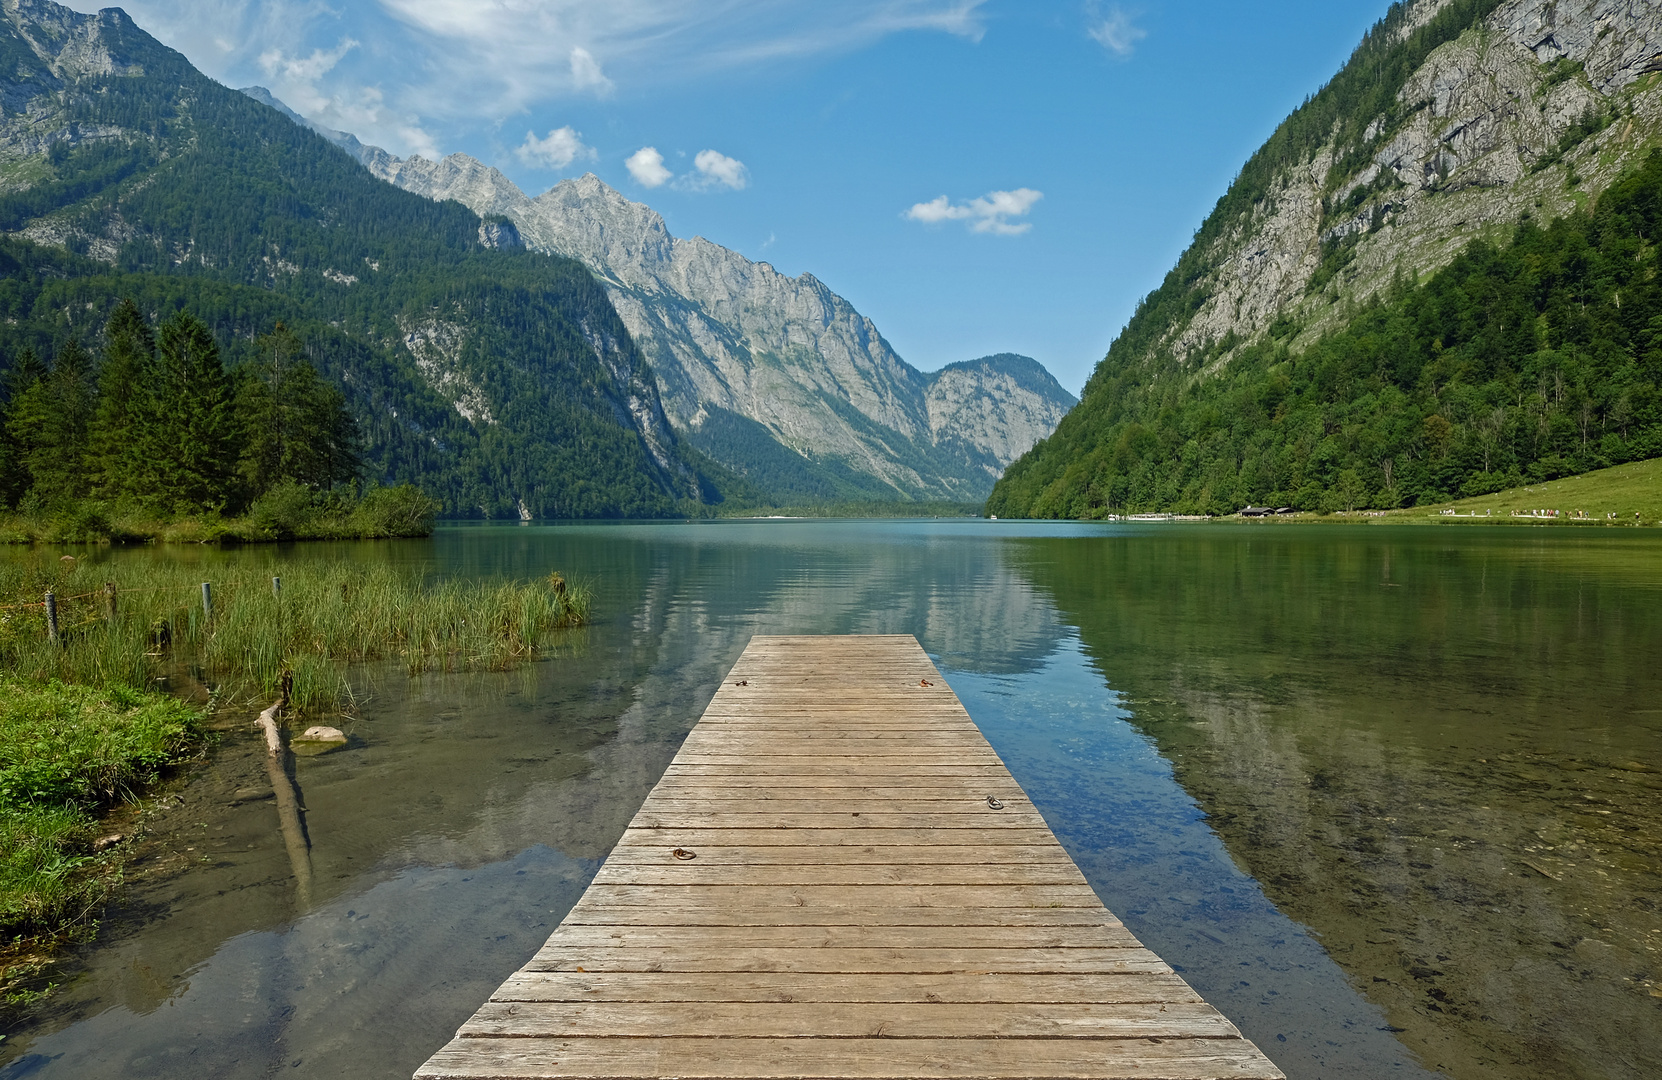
[67,752]
[328,615]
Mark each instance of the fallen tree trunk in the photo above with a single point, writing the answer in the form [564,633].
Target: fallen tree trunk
[290,819]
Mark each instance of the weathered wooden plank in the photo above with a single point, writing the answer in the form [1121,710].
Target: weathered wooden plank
[823,801]
[691,956]
[589,911]
[640,854]
[853,1059]
[1191,1020]
[818,887]
[853,837]
[835,896]
[832,798]
[878,769]
[1149,987]
[705,873]
[971,818]
[872,937]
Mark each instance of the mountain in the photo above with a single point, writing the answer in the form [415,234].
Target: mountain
[499,379]
[1423,285]
[778,378]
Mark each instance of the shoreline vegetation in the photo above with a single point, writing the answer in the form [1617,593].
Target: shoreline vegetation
[289,511]
[1627,495]
[864,510]
[121,693]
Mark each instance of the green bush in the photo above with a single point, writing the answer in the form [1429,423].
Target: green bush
[403,510]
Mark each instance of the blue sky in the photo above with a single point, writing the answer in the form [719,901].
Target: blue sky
[977,176]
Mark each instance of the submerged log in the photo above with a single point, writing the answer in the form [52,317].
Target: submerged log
[289,810]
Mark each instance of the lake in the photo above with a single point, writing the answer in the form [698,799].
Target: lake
[1389,797]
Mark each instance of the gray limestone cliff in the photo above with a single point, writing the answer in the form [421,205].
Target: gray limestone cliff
[1530,113]
[740,349]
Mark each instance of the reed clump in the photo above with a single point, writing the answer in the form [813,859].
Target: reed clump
[83,726]
[128,622]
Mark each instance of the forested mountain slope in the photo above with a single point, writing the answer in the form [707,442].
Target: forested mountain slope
[499,379]
[1379,311]
[778,378]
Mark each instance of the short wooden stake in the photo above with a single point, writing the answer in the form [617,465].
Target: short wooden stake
[109,600]
[208,601]
[277,587]
[51,618]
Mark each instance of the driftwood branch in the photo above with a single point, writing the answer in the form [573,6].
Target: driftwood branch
[290,814]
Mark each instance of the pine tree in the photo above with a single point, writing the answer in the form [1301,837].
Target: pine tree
[191,426]
[21,377]
[116,437]
[47,426]
[297,424]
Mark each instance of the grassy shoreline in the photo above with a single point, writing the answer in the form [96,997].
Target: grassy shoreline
[84,731]
[288,512]
[68,754]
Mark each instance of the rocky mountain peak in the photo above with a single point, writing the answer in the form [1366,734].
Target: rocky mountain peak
[72,45]
[587,219]
[782,365]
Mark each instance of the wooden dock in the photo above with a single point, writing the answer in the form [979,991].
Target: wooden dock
[837,877]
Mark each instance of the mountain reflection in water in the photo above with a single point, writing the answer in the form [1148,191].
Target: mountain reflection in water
[1188,706]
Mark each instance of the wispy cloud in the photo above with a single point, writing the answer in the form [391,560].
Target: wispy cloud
[646,165]
[556,150]
[991,213]
[305,68]
[586,73]
[393,71]
[1114,29]
[497,53]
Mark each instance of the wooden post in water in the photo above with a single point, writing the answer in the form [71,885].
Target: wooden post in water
[109,600]
[207,601]
[51,617]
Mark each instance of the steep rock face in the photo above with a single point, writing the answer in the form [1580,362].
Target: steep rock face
[996,407]
[725,335]
[1293,355]
[1478,144]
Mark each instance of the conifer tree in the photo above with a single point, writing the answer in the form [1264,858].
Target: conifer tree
[191,424]
[47,425]
[116,438]
[297,426]
[24,373]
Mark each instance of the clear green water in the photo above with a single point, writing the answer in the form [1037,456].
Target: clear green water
[1389,799]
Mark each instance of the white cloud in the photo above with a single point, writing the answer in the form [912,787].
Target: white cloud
[305,68]
[1114,31]
[502,51]
[556,150]
[991,213]
[718,170]
[586,73]
[646,165]
[452,66]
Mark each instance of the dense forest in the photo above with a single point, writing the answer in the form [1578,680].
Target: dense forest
[157,422]
[1526,361]
[499,380]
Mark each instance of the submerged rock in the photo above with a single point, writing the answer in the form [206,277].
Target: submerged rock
[318,740]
